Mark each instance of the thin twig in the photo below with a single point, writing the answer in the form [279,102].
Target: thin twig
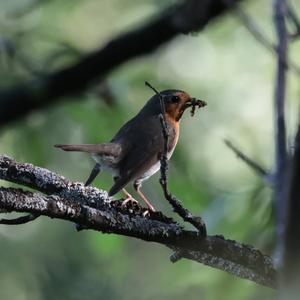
[185,214]
[258,169]
[295,20]
[258,34]
[251,26]
[20,220]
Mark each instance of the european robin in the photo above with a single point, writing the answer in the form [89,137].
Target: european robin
[133,155]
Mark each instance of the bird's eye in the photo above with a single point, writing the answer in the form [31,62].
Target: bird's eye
[175,99]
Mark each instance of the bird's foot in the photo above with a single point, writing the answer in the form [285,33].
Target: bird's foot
[151,209]
[129,200]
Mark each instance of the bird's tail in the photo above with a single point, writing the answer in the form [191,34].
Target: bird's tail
[104,148]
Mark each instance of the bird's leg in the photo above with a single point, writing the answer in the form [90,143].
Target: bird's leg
[93,174]
[128,198]
[137,185]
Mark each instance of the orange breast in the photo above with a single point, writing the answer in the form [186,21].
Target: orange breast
[175,125]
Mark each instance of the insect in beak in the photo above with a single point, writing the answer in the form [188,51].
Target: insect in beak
[194,103]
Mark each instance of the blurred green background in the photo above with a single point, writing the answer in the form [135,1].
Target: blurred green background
[223,65]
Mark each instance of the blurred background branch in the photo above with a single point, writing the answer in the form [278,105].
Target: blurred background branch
[290,273]
[258,169]
[259,34]
[190,16]
[294,19]
[281,156]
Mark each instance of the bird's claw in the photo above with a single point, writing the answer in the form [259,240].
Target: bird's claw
[128,200]
[146,213]
[149,211]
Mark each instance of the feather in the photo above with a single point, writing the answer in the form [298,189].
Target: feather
[112,149]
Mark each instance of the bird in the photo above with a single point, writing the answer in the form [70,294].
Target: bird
[133,154]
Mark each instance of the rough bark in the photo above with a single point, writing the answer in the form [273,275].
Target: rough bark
[92,209]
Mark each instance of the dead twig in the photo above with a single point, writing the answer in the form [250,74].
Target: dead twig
[20,220]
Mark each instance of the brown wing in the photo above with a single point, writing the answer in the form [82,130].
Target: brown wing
[143,141]
[104,148]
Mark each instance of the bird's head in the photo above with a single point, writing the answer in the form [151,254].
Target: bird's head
[176,102]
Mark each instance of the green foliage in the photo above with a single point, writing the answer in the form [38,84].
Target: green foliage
[223,65]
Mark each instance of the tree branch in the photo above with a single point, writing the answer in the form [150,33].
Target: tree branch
[295,20]
[20,220]
[290,275]
[91,208]
[250,162]
[189,16]
[280,13]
